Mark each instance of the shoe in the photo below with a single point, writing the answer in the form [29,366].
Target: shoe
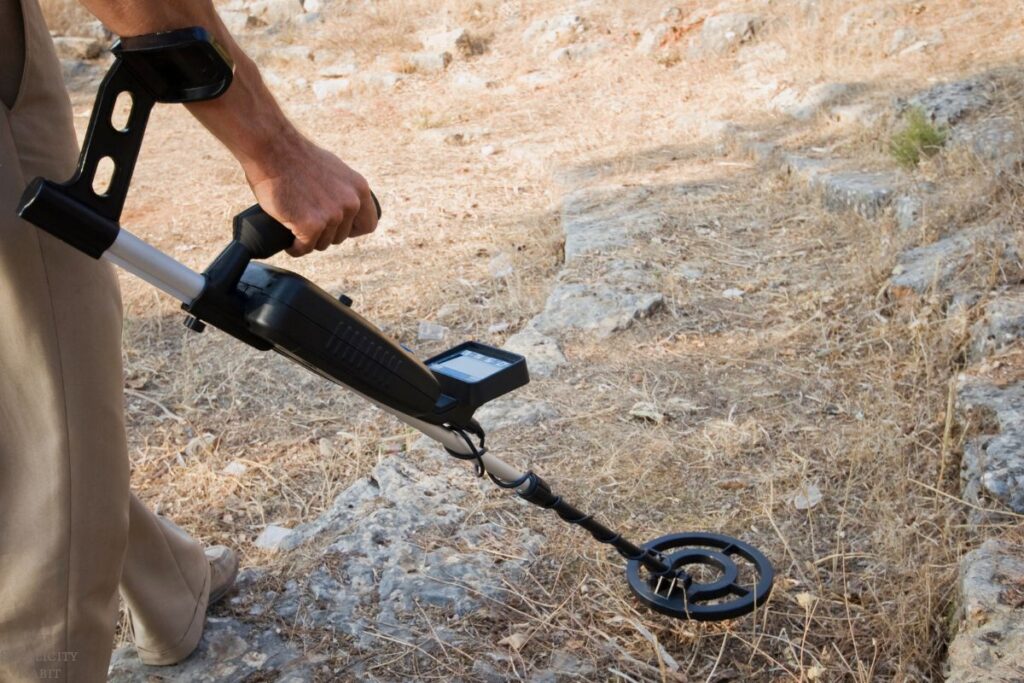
[223,571]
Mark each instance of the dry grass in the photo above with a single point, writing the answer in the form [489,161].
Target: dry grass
[814,376]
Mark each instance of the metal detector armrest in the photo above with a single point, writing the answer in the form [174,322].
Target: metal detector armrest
[184,65]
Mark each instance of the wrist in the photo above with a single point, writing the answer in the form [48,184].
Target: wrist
[271,156]
[250,123]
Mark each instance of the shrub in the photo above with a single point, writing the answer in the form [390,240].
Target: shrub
[918,138]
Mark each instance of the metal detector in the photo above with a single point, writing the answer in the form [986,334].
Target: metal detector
[270,308]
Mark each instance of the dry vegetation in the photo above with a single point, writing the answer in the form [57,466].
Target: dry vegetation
[814,376]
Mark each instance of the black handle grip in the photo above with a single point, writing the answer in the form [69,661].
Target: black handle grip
[260,234]
[263,236]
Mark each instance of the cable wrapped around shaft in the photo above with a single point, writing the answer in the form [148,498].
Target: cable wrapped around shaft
[539,493]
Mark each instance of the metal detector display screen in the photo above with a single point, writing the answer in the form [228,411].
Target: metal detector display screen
[470,366]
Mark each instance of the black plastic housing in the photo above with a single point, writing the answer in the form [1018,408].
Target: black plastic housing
[310,326]
[471,394]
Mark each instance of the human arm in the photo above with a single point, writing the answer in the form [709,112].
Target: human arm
[308,189]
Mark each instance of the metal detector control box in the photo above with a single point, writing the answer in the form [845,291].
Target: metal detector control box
[473,373]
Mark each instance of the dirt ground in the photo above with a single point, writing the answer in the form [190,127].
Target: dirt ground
[813,377]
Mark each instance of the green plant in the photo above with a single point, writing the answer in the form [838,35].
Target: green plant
[919,137]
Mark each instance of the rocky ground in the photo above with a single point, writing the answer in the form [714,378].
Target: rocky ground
[742,314]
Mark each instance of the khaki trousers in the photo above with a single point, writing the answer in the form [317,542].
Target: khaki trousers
[71,533]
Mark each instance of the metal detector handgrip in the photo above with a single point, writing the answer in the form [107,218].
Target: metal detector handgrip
[264,236]
[261,235]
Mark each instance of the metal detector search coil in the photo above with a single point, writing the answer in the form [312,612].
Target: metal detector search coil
[270,308]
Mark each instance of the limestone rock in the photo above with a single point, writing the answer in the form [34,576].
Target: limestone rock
[863,18]
[807,104]
[230,650]
[381,80]
[274,12]
[601,219]
[511,411]
[69,47]
[652,39]
[1002,324]
[611,302]
[857,114]
[935,265]
[948,103]
[562,28]
[429,331]
[723,32]
[343,68]
[867,193]
[427,61]
[579,52]
[989,645]
[236,21]
[81,76]
[456,41]
[996,142]
[907,209]
[95,30]
[543,356]
[378,564]
[993,464]
[329,88]
[273,537]
[807,169]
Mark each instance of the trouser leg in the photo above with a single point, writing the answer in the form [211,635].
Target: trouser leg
[64,500]
[165,584]
[63,456]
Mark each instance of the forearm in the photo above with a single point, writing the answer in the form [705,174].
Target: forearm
[246,119]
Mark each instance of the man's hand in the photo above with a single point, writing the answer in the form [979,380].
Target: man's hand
[313,193]
[308,189]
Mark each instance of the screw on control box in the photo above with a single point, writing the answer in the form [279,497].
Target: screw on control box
[271,308]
